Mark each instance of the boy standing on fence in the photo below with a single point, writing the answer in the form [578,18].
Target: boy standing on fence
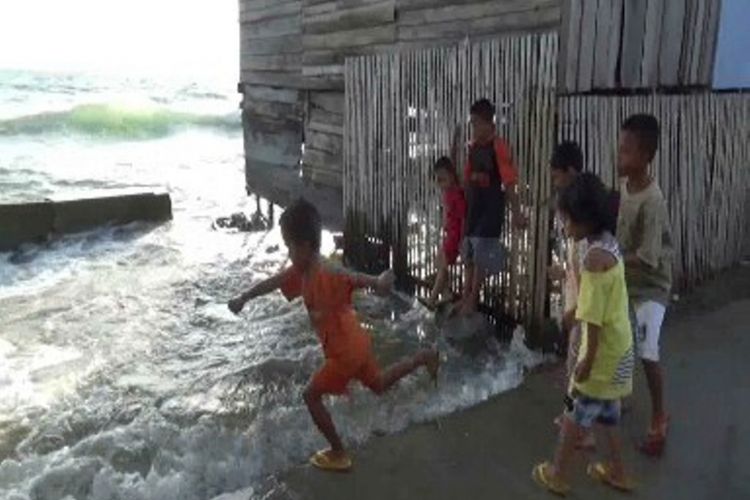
[644,235]
[490,177]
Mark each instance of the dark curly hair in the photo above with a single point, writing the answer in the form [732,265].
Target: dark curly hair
[586,202]
[646,129]
[445,164]
[566,155]
[300,223]
[484,109]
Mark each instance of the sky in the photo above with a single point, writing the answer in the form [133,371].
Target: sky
[135,37]
[200,38]
[733,54]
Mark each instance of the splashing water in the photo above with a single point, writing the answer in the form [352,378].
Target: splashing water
[122,374]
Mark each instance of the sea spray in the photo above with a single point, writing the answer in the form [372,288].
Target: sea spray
[117,121]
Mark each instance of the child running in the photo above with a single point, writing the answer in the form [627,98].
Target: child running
[327,294]
[454,213]
[604,371]
[490,178]
[646,241]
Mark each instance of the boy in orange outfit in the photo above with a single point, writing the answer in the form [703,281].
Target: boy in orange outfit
[327,293]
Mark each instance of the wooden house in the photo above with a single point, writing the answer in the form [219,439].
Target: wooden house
[348,102]
[292,76]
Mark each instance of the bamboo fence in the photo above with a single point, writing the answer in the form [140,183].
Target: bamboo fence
[401,111]
[702,166]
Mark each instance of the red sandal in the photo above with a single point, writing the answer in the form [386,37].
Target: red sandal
[656,439]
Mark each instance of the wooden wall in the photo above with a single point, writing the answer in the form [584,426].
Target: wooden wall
[629,44]
[292,74]
[426,23]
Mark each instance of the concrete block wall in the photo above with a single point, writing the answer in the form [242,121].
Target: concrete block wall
[35,222]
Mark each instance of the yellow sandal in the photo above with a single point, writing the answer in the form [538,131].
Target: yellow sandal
[543,476]
[601,472]
[327,460]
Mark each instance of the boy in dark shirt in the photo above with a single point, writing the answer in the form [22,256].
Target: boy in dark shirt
[490,178]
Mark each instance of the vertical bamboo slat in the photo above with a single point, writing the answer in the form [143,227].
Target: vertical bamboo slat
[401,110]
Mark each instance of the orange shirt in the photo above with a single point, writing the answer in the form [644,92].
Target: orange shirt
[505,166]
[327,293]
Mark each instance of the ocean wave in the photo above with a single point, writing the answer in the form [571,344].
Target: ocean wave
[117,121]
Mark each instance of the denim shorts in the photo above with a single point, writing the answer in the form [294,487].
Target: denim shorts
[587,411]
[488,254]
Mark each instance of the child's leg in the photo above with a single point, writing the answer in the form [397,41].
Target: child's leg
[441,280]
[649,317]
[488,258]
[472,286]
[656,388]
[613,471]
[468,280]
[332,378]
[321,417]
[614,446]
[385,380]
[576,424]
[566,449]
[476,286]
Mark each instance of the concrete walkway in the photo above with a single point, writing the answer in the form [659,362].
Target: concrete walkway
[488,451]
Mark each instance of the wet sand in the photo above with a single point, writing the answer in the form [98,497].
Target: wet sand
[487,452]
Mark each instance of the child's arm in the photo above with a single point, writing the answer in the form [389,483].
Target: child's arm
[263,288]
[632,260]
[583,368]
[647,255]
[382,284]
[592,305]
[509,176]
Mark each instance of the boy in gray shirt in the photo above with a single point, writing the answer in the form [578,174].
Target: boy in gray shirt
[646,242]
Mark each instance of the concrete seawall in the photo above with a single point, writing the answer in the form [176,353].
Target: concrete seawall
[35,222]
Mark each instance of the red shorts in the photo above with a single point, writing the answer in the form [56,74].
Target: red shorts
[336,374]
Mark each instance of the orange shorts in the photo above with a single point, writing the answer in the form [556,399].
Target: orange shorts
[336,374]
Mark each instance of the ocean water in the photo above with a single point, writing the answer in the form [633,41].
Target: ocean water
[122,373]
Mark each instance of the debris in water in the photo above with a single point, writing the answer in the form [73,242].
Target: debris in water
[239,221]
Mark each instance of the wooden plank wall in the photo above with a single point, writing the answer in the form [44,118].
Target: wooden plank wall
[637,44]
[402,109]
[292,70]
[703,167]
[272,104]
[331,31]
[426,23]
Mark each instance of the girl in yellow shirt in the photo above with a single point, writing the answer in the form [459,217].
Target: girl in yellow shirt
[604,369]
